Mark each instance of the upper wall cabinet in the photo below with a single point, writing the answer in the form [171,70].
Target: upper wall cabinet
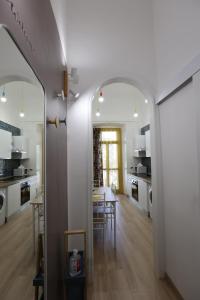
[5,144]
[148,143]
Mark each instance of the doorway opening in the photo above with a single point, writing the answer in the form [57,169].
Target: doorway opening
[123,109]
[111,148]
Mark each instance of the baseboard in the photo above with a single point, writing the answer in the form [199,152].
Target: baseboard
[172,285]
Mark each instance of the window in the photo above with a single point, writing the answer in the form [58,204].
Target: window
[111,157]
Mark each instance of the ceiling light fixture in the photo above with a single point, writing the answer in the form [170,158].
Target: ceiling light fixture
[74,94]
[61,95]
[22,114]
[146,101]
[3,96]
[98,113]
[135,115]
[101,98]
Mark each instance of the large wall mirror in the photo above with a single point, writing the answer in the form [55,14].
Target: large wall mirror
[22,175]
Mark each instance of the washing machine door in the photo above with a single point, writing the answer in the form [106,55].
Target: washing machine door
[2,200]
[2,208]
[150,196]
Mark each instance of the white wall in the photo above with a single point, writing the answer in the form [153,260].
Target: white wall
[78,135]
[180,122]
[177,41]
[21,95]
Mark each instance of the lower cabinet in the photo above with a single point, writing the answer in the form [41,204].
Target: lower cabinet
[129,185]
[13,199]
[14,195]
[143,194]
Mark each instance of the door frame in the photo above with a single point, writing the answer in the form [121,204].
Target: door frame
[120,159]
[157,183]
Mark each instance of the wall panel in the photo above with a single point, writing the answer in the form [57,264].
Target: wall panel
[42,48]
[180,165]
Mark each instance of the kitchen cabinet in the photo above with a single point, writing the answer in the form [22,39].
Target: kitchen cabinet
[140,146]
[140,142]
[129,185]
[6,144]
[13,199]
[143,194]
[148,143]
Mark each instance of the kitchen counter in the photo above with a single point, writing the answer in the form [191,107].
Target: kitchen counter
[145,177]
[13,180]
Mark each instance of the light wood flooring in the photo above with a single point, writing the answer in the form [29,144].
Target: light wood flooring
[17,263]
[128,273]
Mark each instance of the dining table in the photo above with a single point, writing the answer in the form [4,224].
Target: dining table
[110,199]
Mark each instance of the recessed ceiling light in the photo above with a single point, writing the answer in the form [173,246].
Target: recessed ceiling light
[101,98]
[146,101]
[21,114]
[3,97]
[135,115]
[74,94]
[77,95]
[98,113]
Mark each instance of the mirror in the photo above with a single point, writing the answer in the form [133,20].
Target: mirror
[22,175]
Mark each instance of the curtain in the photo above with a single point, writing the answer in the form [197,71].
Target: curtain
[97,156]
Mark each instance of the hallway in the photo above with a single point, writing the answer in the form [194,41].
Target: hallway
[128,274]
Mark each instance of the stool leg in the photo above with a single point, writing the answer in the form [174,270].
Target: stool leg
[36,292]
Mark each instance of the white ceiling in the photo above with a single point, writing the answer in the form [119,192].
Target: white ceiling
[121,101]
[108,39]
[22,96]
[13,65]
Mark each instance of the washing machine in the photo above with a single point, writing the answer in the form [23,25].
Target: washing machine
[150,201]
[2,206]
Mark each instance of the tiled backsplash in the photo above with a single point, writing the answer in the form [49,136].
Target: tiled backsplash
[7,165]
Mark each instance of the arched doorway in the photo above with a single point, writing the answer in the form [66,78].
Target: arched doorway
[157,209]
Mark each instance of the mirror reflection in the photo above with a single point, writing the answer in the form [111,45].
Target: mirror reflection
[22,182]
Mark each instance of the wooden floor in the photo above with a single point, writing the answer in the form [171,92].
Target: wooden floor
[128,273]
[17,263]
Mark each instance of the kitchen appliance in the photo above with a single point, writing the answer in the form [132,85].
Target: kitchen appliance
[20,171]
[25,192]
[20,147]
[134,189]
[141,169]
[2,206]
[150,202]
[139,153]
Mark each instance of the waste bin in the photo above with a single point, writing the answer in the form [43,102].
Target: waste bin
[76,287]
